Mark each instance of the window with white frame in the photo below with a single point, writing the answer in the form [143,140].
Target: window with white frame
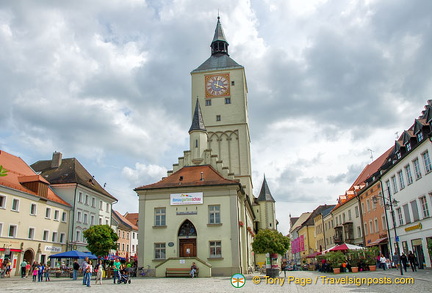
[401,180]
[107,208]
[56,215]
[54,237]
[383,223]
[371,230]
[2,202]
[63,217]
[45,235]
[399,215]
[85,218]
[33,209]
[427,162]
[214,214]
[160,251]
[93,202]
[356,209]
[414,208]
[417,169]
[86,200]
[160,216]
[406,213]
[368,205]
[395,188]
[79,217]
[408,174]
[100,205]
[80,197]
[424,206]
[62,237]
[47,213]
[359,231]
[100,221]
[376,224]
[78,236]
[15,205]
[12,231]
[31,232]
[215,249]
[92,220]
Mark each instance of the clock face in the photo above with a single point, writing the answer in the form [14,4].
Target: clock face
[217,85]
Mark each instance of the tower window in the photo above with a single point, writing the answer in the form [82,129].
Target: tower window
[218,117]
[196,143]
[208,103]
[233,82]
[227,100]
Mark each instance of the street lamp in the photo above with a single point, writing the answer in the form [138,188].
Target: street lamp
[389,203]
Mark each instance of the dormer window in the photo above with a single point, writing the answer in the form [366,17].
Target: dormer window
[408,146]
[420,136]
[398,155]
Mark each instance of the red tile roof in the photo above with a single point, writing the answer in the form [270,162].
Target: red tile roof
[191,176]
[132,217]
[19,172]
[125,221]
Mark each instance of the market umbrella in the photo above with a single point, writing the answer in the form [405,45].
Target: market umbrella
[313,255]
[74,254]
[344,246]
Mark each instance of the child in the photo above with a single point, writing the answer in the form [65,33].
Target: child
[35,272]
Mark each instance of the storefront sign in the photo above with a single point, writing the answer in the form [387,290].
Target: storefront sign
[186,198]
[53,248]
[415,227]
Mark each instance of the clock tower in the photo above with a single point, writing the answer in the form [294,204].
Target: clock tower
[219,86]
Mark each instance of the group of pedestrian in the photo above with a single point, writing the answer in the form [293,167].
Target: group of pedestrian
[412,259]
[87,270]
[38,271]
[6,267]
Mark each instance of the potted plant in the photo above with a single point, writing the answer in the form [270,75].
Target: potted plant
[336,259]
[371,254]
[354,257]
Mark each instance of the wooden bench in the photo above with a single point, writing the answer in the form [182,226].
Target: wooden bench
[179,272]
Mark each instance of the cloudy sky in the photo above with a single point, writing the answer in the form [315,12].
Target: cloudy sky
[331,83]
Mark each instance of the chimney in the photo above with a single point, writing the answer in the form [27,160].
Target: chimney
[56,160]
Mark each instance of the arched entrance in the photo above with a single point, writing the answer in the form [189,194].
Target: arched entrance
[187,240]
[29,256]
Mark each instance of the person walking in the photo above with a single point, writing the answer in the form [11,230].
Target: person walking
[23,268]
[83,270]
[40,272]
[35,272]
[99,268]
[75,268]
[28,267]
[383,262]
[47,273]
[404,261]
[413,261]
[396,260]
[116,268]
[89,271]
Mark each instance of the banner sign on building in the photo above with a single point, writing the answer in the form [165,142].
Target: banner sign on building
[186,198]
[53,248]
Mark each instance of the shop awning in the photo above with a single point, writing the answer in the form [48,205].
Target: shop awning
[378,241]
[11,249]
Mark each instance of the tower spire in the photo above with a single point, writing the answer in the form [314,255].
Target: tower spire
[197,119]
[219,44]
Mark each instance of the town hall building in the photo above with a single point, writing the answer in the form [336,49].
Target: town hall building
[204,211]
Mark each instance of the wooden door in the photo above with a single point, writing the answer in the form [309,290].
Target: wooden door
[188,247]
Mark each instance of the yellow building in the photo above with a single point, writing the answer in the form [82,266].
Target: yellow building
[34,219]
[204,210]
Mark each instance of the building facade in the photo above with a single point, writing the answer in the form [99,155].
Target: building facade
[92,204]
[204,210]
[34,219]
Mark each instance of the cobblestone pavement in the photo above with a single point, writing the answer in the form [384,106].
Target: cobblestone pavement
[298,281]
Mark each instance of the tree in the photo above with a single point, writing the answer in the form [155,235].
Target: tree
[101,239]
[270,241]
